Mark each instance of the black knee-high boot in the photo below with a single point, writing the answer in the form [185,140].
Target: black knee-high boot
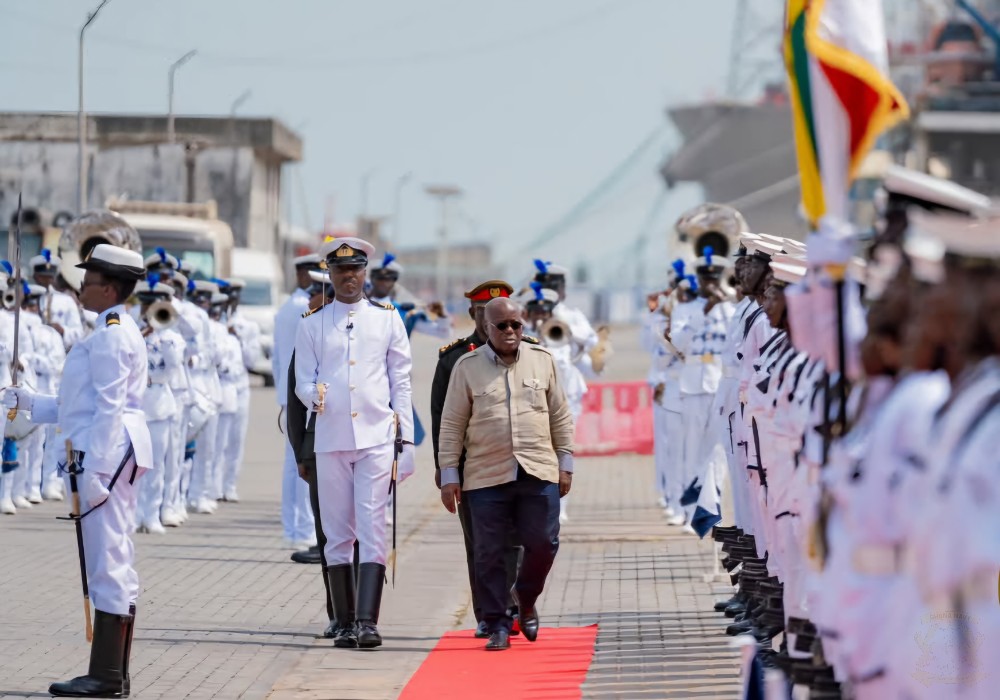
[342,593]
[105,678]
[371,581]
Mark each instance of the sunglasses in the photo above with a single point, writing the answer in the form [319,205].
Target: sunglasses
[504,326]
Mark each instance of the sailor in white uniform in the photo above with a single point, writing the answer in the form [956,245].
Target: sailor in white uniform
[46,362]
[232,374]
[585,338]
[247,334]
[165,350]
[432,320]
[203,371]
[296,515]
[352,367]
[58,309]
[99,409]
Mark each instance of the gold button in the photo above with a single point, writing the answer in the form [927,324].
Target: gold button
[352,362]
[350,313]
[354,415]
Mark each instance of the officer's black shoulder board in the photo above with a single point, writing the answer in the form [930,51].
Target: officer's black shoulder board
[309,313]
[380,305]
[531,340]
[112,320]
[445,349]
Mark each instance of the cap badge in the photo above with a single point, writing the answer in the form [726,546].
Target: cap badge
[345,251]
[495,292]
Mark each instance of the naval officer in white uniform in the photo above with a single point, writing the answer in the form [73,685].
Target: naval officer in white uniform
[352,367]
[99,408]
[296,515]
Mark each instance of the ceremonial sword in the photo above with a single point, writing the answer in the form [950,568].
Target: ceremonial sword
[72,468]
[394,494]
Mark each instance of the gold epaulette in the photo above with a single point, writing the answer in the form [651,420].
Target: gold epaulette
[112,320]
[312,311]
[531,340]
[449,346]
[387,307]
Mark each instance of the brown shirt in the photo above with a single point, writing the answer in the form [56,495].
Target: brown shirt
[505,416]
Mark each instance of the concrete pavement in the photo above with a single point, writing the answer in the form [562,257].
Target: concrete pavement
[224,614]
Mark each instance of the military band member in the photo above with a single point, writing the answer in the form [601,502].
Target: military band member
[478,297]
[57,309]
[432,320]
[247,332]
[585,338]
[165,352]
[99,409]
[352,367]
[203,370]
[296,515]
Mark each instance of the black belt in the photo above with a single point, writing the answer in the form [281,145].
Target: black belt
[78,457]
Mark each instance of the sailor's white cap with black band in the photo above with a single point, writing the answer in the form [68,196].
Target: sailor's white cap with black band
[236,283]
[161,258]
[307,260]
[934,193]
[387,266]
[113,261]
[204,287]
[320,276]
[219,298]
[158,289]
[33,291]
[346,251]
[45,263]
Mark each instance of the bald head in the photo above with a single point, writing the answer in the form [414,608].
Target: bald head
[504,327]
[501,307]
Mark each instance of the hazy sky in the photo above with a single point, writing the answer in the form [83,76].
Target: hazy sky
[525,104]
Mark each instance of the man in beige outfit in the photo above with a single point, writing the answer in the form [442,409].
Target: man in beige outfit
[505,408]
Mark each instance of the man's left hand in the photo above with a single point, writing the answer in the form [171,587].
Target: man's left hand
[565,483]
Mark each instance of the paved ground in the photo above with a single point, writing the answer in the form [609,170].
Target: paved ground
[224,614]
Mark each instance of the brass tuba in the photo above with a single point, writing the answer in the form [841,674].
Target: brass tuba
[85,233]
[717,226]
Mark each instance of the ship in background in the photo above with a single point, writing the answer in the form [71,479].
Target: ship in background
[944,58]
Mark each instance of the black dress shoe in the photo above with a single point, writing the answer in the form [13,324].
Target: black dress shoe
[482,631]
[499,641]
[527,618]
[308,556]
[331,630]
[368,635]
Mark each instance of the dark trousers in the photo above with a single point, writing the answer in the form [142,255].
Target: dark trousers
[320,537]
[511,556]
[528,507]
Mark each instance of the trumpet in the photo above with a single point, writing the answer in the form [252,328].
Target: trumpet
[555,334]
[161,315]
[10,299]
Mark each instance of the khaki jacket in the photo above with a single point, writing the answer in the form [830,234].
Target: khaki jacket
[505,416]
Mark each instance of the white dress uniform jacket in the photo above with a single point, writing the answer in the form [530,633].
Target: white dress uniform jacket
[361,351]
[99,405]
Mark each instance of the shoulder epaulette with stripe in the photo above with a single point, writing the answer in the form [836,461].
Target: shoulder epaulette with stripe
[451,345]
[112,320]
[531,340]
[312,311]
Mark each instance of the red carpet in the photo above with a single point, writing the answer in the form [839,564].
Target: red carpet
[553,668]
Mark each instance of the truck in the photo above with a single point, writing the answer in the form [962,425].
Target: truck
[189,231]
[262,295]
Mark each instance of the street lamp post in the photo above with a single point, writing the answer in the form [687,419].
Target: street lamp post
[233,205]
[171,135]
[81,119]
[443,193]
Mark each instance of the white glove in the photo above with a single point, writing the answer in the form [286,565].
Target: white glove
[18,397]
[407,463]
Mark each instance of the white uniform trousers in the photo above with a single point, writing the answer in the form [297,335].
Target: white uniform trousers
[55,453]
[151,491]
[575,408]
[223,435]
[173,463]
[175,484]
[699,440]
[232,459]
[296,514]
[353,492]
[114,583]
[203,468]
[661,461]
[28,475]
[674,422]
